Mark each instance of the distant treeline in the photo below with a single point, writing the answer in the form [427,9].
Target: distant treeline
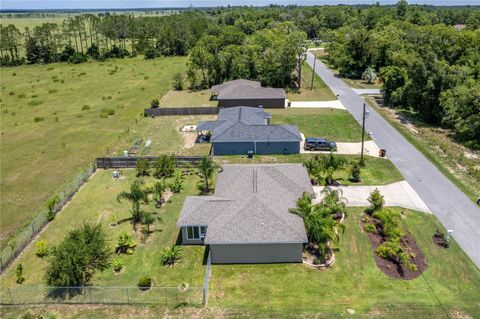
[428,58]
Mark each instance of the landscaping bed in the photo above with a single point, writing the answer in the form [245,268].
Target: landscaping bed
[390,266]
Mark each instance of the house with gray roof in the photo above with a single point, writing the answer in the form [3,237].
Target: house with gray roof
[248,93]
[247,220]
[243,130]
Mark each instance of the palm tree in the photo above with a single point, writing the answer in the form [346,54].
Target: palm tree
[333,200]
[148,219]
[206,169]
[313,170]
[329,165]
[137,196]
[158,190]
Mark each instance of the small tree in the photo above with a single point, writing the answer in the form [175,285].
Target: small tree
[137,196]
[144,283]
[376,200]
[329,165]
[177,185]
[355,171]
[148,219]
[171,255]
[42,248]
[314,171]
[125,244]
[164,166]
[143,167]
[51,204]
[155,103]
[369,75]
[158,189]
[206,170]
[19,274]
[178,81]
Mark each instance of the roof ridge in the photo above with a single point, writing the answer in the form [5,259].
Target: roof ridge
[270,172]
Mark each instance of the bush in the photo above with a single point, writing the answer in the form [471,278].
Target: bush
[125,244]
[144,283]
[355,172]
[171,255]
[370,228]
[117,265]
[178,81]
[376,200]
[104,112]
[37,119]
[177,185]
[42,248]
[164,166]
[150,53]
[143,167]
[77,58]
[85,107]
[155,103]
[51,205]
[19,274]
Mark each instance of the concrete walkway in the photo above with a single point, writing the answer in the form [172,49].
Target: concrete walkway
[399,194]
[367,91]
[335,104]
[451,206]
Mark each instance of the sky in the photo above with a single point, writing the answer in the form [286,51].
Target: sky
[115,4]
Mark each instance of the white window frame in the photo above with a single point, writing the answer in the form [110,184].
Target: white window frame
[198,229]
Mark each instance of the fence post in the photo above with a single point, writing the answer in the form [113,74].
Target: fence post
[33,228]
[128,297]
[10,294]
[165,294]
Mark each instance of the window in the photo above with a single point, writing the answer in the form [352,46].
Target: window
[196,232]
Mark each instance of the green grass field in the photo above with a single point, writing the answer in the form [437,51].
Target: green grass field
[333,124]
[54,120]
[96,203]
[320,92]
[450,282]
[187,98]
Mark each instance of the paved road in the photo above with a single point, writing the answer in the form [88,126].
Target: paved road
[451,206]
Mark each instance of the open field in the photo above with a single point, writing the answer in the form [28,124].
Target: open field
[96,202]
[320,92]
[455,161]
[332,124]
[450,282]
[58,117]
[377,171]
[187,98]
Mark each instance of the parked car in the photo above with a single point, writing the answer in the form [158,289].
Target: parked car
[319,144]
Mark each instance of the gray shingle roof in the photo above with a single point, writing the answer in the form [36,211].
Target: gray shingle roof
[251,205]
[241,123]
[234,84]
[246,92]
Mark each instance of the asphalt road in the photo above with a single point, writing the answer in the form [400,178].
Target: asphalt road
[451,206]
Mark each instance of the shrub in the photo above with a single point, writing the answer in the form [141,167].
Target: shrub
[370,228]
[35,102]
[177,185]
[143,167]
[376,200]
[51,204]
[104,112]
[155,103]
[19,274]
[171,255]
[77,58]
[150,53]
[86,107]
[117,265]
[355,171]
[51,91]
[37,119]
[164,166]
[178,81]
[125,244]
[144,283]
[42,248]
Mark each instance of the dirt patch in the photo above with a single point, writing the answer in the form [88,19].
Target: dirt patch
[440,240]
[390,267]
[189,139]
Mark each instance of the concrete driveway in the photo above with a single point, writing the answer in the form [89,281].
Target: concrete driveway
[399,194]
[334,104]
[367,91]
[370,148]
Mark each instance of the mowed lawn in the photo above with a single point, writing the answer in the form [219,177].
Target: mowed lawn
[320,91]
[450,285]
[54,120]
[333,124]
[96,203]
[187,98]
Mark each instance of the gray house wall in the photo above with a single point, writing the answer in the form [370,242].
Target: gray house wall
[262,148]
[256,253]
[266,103]
[186,241]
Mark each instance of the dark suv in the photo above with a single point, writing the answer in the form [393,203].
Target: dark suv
[319,144]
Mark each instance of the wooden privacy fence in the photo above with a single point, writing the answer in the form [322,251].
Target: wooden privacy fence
[131,162]
[196,110]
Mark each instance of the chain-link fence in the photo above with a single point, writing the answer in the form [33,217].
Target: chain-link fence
[65,193]
[102,295]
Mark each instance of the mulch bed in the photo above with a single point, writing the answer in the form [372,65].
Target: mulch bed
[311,253]
[440,240]
[391,267]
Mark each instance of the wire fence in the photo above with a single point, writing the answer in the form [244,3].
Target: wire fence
[102,295]
[65,193]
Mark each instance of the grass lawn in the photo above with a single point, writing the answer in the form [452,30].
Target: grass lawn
[96,202]
[47,137]
[378,171]
[333,124]
[451,282]
[187,98]
[456,162]
[320,92]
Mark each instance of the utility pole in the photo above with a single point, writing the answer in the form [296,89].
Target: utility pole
[363,135]
[313,71]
